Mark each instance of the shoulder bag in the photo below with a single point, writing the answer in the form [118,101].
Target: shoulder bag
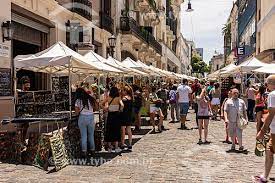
[241,121]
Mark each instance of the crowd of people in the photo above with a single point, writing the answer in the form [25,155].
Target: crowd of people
[124,104]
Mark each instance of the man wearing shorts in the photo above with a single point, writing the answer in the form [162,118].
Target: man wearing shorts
[268,123]
[184,94]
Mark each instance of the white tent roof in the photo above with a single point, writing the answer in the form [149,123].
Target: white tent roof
[247,66]
[268,69]
[128,62]
[100,61]
[117,64]
[58,58]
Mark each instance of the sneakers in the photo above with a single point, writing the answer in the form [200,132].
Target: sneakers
[130,147]
[200,142]
[233,148]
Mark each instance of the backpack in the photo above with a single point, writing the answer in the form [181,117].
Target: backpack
[172,97]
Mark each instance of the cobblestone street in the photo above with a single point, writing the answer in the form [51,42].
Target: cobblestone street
[172,156]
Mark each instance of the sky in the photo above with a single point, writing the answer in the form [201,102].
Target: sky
[204,24]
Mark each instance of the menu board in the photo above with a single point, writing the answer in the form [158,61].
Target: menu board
[5,82]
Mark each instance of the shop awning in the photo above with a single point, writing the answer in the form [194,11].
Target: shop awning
[57,59]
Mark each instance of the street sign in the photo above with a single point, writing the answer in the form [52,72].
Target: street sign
[240,51]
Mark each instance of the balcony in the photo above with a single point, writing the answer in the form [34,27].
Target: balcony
[106,22]
[128,24]
[83,8]
[172,23]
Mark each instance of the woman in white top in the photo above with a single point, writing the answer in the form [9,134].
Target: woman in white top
[84,107]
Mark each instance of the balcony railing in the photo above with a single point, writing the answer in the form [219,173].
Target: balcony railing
[128,24]
[173,25]
[83,8]
[106,22]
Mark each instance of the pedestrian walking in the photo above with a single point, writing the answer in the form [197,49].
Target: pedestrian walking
[126,116]
[183,97]
[84,106]
[250,94]
[155,104]
[137,104]
[174,104]
[204,112]
[196,91]
[215,92]
[114,107]
[163,95]
[260,105]
[235,108]
[268,123]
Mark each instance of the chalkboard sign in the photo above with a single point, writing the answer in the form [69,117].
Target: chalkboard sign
[5,82]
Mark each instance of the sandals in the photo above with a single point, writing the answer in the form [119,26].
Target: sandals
[259,179]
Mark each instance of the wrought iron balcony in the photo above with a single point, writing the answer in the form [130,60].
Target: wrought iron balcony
[172,23]
[83,8]
[106,22]
[128,24]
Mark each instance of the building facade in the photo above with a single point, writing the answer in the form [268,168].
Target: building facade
[216,62]
[265,44]
[230,33]
[200,52]
[247,27]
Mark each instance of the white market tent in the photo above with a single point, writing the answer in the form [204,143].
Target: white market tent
[100,61]
[117,64]
[246,67]
[59,59]
[128,62]
[267,69]
[222,72]
[62,60]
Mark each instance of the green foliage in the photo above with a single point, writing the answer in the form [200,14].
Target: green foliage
[198,65]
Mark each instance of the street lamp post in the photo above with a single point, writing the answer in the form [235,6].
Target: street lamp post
[6,31]
[112,44]
[189,9]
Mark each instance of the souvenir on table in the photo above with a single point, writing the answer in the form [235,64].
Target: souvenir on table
[59,152]
[30,153]
[10,146]
[41,159]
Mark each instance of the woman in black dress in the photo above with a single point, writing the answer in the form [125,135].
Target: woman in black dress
[114,106]
[126,116]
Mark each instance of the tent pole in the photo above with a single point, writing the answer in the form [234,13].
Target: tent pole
[70,89]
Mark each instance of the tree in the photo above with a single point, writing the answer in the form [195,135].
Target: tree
[198,65]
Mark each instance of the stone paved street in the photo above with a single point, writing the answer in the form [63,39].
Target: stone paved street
[172,156]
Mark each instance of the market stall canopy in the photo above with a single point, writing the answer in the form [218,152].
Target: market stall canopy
[246,67]
[100,61]
[117,64]
[214,75]
[128,62]
[267,69]
[58,58]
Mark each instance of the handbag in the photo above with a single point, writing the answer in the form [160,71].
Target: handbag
[241,121]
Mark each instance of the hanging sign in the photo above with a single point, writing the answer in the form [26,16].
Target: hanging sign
[4,50]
